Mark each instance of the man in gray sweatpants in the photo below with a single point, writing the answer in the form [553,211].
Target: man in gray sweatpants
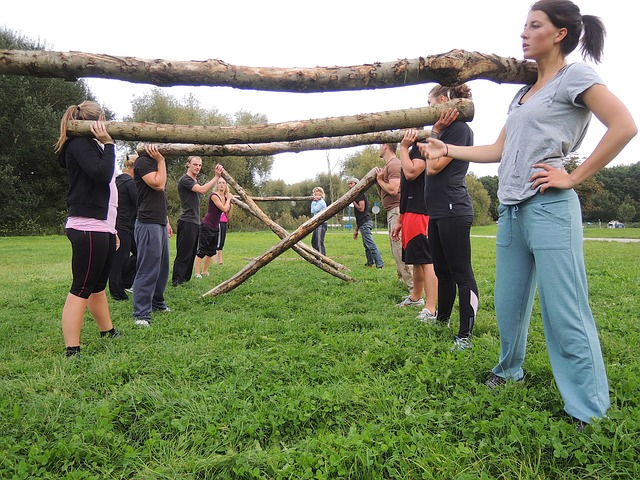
[151,232]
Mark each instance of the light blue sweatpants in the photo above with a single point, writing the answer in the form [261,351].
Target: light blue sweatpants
[539,243]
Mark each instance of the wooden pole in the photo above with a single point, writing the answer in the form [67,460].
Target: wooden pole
[302,231]
[300,248]
[449,69]
[276,132]
[277,229]
[272,148]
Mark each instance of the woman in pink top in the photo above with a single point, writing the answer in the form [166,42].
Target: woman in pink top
[91,226]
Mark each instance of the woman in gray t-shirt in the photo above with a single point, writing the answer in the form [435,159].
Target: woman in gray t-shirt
[540,225]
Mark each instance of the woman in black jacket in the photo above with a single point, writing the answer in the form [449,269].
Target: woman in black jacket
[93,201]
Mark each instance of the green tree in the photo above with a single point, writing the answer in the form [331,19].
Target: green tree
[623,184]
[480,199]
[490,184]
[626,210]
[160,107]
[33,186]
[604,207]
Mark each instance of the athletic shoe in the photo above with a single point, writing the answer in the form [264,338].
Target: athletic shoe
[461,344]
[495,381]
[162,310]
[407,302]
[111,333]
[198,276]
[142,322]
[426,316]
[128,290]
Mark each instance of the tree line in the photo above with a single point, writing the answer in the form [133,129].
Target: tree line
[33,186]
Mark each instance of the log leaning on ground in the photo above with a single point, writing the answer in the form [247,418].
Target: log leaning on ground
[302,231]
[300,248]
[276,132]
[277,229]
[451,68]
[272,148]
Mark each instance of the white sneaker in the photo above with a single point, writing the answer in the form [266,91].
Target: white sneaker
[461,344]
[426,316]
[198,276]
[407,302]
[142,322]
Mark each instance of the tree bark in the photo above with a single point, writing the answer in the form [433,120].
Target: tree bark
[451,68]
[302,231]
[276,132]
[272,148]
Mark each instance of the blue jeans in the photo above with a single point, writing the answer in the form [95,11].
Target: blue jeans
[317,238]
[539,244]
[370,247]
[152,269]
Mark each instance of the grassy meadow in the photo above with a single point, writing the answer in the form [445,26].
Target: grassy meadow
[297,374]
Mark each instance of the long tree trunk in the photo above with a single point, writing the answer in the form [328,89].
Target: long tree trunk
[276,132]
[301,232]
[272,148]
[451,68]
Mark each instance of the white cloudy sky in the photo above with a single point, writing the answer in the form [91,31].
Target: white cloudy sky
[288,33]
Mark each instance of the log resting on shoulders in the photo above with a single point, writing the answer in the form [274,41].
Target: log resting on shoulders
[451,68]
[273,148]
[276,132]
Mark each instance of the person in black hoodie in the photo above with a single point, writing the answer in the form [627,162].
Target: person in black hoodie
[123,268]
[92,200]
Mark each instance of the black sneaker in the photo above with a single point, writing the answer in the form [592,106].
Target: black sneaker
[495,381]
[113,333]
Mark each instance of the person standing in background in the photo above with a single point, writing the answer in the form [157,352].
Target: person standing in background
[364,225]
[222,235]
[123,268]
[189,222]
[318,204]
[388,178]
[219,203]
[152,231]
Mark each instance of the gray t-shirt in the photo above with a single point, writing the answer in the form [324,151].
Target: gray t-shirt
[545,129]
[189,199]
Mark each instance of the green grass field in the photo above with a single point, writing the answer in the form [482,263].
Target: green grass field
[297,374]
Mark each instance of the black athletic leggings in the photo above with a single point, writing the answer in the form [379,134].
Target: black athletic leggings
[92,254]
[451,251]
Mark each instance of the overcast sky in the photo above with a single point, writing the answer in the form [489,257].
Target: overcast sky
[291,33]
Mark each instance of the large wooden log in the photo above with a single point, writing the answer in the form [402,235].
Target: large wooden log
[451,68]
[277,229]
[272,148]
[302,231]
[276,132]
